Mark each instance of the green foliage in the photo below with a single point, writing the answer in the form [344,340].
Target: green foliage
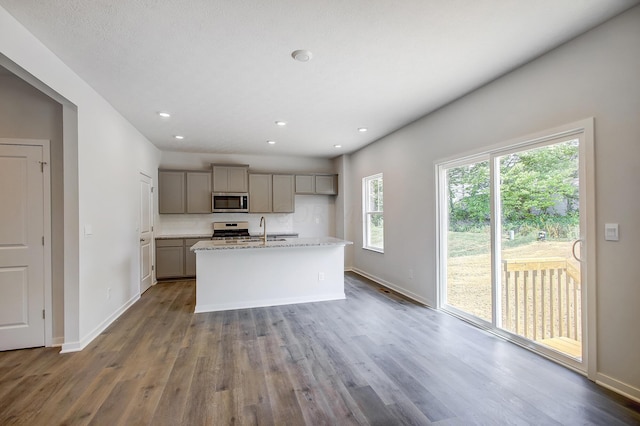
[469,193]
[376,200]
[534,182]
[538,191]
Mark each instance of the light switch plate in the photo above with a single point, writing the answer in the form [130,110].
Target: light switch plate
[611,232]
[88,230]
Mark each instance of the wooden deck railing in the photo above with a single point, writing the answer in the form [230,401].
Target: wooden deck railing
[541,298]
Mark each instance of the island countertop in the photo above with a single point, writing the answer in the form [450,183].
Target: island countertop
[279,243]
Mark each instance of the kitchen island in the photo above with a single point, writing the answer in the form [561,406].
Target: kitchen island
[250,274]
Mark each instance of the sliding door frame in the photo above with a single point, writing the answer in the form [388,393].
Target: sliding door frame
[584,129]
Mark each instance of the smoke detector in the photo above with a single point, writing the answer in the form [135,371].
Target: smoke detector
[302,55]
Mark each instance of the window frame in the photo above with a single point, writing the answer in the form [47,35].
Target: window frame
[366,213]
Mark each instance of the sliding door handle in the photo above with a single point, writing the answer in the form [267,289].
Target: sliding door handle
[573,250]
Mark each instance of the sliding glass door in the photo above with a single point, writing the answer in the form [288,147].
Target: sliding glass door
[510,241]
[468,288]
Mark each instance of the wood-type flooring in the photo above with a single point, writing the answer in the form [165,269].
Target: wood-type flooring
[372,359]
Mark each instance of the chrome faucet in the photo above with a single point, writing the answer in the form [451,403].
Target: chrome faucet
[264,236]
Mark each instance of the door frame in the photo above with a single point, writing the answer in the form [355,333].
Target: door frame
[46,205]
[588,233]
[152,243]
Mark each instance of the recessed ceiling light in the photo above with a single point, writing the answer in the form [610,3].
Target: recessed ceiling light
[362,129]
[337,146]
[281,123]
[164,114]
[179,137]
[271,142]
[302,55]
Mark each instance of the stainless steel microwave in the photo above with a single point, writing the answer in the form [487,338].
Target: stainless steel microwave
[230,202]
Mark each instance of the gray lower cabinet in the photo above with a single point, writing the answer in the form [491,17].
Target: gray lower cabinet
[271,193]
[169,258]
[190,257]
[184,191]
[174,259]
[316,184]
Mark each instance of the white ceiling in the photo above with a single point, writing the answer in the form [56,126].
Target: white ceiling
[223,68]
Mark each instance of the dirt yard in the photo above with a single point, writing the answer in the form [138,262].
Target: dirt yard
[469,277]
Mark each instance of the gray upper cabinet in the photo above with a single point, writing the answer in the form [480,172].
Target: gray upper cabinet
[198,192]
[305,184]
[326,184]
[317,184]
[283,194]
[171,191]
[271,193]
[260,193]
[230,178]
[181,191]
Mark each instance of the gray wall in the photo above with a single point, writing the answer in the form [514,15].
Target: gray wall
[103,158]
[595,75]
[27,113]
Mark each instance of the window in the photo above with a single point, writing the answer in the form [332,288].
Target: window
[373,232]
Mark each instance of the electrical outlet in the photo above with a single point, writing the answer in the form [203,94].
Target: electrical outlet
[109,293]
[320,276]
[410,274]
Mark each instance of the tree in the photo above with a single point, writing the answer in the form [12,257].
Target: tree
[469,193]
[541,181]
[535,185]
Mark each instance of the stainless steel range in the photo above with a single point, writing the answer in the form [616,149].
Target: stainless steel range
[234,231]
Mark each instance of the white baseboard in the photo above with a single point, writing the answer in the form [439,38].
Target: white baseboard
[618,387]
[415,297]
[263,303]
[78,346]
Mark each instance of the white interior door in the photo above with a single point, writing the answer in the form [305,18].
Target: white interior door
[21,247]
[146,232]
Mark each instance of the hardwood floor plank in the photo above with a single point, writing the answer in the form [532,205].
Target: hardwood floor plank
[372,406]
[147,393]
[374,358]
[284,404]
[176,391]
[199,409]
[65,386]
[83,410]
[424,400]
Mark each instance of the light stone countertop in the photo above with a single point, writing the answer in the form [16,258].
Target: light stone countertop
[280,243]
[183,236]
[208,236]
